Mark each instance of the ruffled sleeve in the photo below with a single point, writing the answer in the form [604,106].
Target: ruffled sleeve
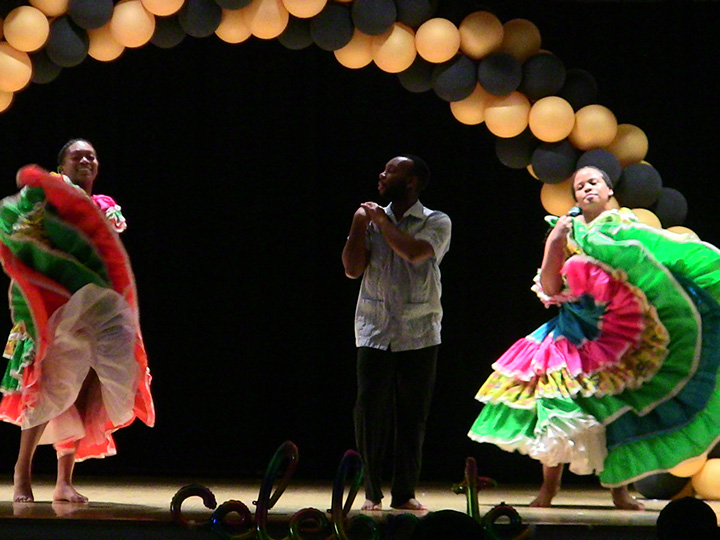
[112,211]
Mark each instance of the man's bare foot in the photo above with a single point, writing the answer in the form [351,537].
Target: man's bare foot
[410,504]
[623,500]
[370,505]
[68,493]
[544,497]
[22,489]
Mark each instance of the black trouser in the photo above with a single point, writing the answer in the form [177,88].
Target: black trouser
[394,388]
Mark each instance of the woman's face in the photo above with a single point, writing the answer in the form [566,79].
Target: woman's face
[590,189]
[80,164]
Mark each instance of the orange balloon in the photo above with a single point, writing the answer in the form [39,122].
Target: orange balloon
[233,27]
[521,38]
[437,40]
[647,217]
[103,45]
[26,28]
[551,119]
[163,8]
[394,51]
[595,127]
[689,467]
[15,68]
[131,24]
[531,171]
[51,8]
[266,18]
[304,9]
[5,100]
[507,116]
[481,33]
[357,53]
[557,199]
[471,110]
[679,229]
[707,481]
[630,144]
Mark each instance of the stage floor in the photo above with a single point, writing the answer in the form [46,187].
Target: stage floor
[144,500]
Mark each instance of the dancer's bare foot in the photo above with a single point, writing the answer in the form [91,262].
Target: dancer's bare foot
[22,489]
[370,505]
[544,497]
[66,492]
[623,500]
[410,504]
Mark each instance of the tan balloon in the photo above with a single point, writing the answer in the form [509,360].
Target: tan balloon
[103,45]
[507,116]
[595,127]
[51,8]
[679,229]
[132,25]
[531,171]
[5,100]
[471,110]
[304,9]
[394,51]
[357,53]
[481,33]
[647,217]
[521,38]
[437,40]
[557,199]
[689,467]
[233,27]
[551,119]
[630,144]
[26,28]
[707,481]
[163,8]
[15,68]
[266,18]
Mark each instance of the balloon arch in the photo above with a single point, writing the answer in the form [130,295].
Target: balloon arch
[545,118]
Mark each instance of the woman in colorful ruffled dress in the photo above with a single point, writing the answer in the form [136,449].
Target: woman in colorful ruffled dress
[623,382]
[77,369]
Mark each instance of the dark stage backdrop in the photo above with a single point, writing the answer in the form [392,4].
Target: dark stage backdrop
[239,168]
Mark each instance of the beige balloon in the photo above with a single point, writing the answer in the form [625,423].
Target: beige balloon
[51,8]
[233,26]
[521,38]
[26,28]
[507,116]
[551,119]
[481,33]
[630,144]
[531,171]
[304,9]
[103,45]
[595,127]
[689,467]
[5,100]
[557,199]
[679,229]
[132,25]
[357,53]
[707,481]
[163,8]
[266,18]
[647,217]
[394,51]
[15,68]
[437,40]
[471,110]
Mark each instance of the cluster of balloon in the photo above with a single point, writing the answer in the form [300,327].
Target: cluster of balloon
[697,476]
[545,117]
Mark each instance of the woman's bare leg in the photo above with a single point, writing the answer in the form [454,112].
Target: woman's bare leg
[550,486]
[622,499]
[22,478]
[64,489]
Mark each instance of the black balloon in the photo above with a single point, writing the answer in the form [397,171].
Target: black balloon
[499,74]
[418,77]
[639,186]
[90,14]
[553,163]
[580,89]
[671,207]
[296,35]
[516,152]
[602,159]
[332,28]
[44,70]
[448,524]
[455,79]
[373,17]
[233,4]
[543,75]
[661,486]
[687,517]
[168,32]
[200,18]
[415,12]
[67,44]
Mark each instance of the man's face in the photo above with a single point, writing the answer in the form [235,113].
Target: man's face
[393,181]
[80,164]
